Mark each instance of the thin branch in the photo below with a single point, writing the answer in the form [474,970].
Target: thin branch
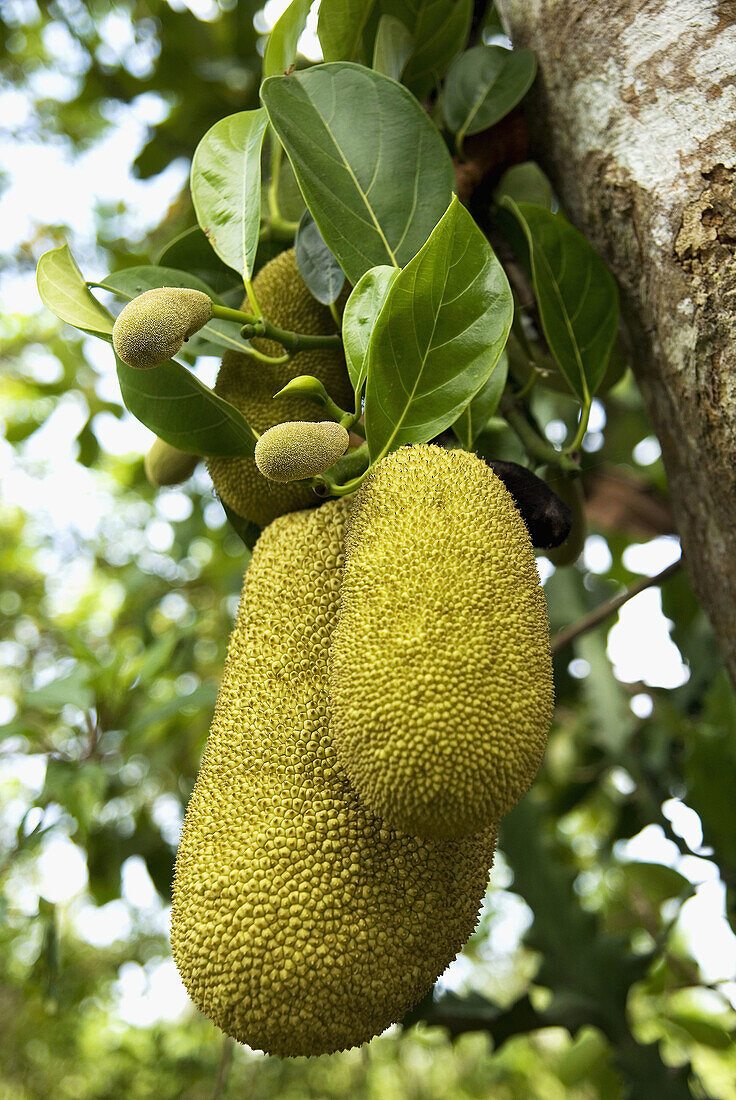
[223,1070]
[599,614]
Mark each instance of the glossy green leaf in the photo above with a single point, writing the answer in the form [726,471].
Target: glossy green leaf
[393,47]
[439,336]
[576,295]
[475,416]
[374,171]
[526,182]
[184,412]
[63,290]
[483,85]
[226,187]
[340,28]
[280,52]
[440,30]
[132,281]
[361,310]
[317,266]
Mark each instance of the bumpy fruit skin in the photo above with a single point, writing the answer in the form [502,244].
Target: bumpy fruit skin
[441,676]
[299,449]
[154,326]
[250,385]
[301,924]
[167,465]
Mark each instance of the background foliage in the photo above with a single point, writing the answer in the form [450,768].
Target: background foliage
[582,980]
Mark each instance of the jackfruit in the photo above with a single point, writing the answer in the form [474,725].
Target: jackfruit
[250,385]
[440,669]
[154,326]
[300,448]
[302,924]
[166,465]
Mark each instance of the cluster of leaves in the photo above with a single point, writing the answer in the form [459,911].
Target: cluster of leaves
[114,688]
[426,325]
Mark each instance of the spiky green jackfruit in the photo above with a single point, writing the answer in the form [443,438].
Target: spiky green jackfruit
[300,448]
[440,678]
[250,385]
[167,465]
[154,326]
[302,924]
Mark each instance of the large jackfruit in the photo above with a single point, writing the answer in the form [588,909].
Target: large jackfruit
[441,678]
[301,924]
[250,384]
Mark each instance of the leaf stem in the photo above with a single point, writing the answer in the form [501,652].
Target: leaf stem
[599,614]
[259,326]
[582,426]
[534,443]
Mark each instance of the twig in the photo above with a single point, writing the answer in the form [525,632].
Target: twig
[588,622]
[259,326]
[223,1070]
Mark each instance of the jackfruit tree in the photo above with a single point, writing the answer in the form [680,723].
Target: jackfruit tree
[411,338]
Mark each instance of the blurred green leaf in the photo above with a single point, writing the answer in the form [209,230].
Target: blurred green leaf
[340,28]
[483,85]
[361,146]
[440,30]
[525,182]
[280,52]
[576,295]
[393,47]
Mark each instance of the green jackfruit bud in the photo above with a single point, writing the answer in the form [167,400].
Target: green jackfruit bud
[154,326]
[165,465]
[300,449]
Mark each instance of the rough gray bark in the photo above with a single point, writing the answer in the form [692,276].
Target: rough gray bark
[634,117]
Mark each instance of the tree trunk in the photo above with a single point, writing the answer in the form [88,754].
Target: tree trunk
[633,115]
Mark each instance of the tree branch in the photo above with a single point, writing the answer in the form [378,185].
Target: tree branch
[599,614]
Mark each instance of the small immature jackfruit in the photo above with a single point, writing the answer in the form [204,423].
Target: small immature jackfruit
[301,923]
[154,326]
[300,448]
[250,385]
[166,465]
[440,670]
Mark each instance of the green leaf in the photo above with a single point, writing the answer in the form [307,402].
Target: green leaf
[483,85]
[526,182]
[475,416]
[317,266]
[361,310]
[226,187]
[63,290]
[280,52]
[340,28]
[393,47]
[132,281]
[184,412]
[576,294]
[440,30]
[374,171]
[439,336]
